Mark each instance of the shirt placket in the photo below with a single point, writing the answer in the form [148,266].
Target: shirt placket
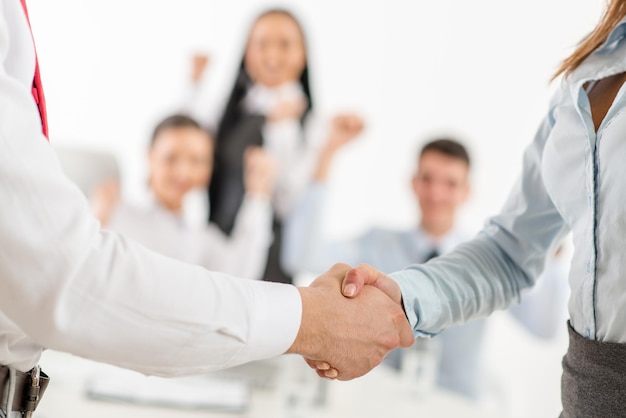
[583,109]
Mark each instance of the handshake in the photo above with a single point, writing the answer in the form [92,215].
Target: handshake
[351,319]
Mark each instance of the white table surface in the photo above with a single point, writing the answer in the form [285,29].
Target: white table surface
[381,394]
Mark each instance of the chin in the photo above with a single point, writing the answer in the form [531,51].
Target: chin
[272,82]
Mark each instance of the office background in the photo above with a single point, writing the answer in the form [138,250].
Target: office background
[478,70]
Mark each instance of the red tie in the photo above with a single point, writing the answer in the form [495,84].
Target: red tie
[37,87]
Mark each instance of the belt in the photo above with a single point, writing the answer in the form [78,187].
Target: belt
[29,388]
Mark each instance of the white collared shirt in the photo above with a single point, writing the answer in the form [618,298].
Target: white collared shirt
[67,285]
[243,253]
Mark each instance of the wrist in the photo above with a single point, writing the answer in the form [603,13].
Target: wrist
[306,340]
[323,165]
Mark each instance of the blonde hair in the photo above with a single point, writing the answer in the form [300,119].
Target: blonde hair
[613,13]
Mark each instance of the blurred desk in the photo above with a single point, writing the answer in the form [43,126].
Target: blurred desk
[378,394]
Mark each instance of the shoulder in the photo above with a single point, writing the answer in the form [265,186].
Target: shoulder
[127,215]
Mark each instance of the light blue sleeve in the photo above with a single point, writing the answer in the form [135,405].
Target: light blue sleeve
[306,247]
[543,310]
[489,272]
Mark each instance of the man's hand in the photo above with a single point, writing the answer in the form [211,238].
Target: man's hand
[353,335]
[199,64]
[344,129]
[352,285]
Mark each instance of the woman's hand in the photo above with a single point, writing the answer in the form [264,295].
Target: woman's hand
[259,172]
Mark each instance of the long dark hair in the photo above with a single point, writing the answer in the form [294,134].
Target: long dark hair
[243,82]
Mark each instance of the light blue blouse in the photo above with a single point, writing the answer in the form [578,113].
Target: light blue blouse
[573,179]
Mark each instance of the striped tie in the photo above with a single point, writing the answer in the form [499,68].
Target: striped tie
[433,254]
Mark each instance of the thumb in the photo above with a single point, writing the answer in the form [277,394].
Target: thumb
[354,281]
[365,274]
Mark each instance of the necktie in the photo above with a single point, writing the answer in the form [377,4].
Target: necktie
[434,253]
[37,87]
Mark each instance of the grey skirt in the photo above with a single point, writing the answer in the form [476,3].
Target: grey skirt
[593,384]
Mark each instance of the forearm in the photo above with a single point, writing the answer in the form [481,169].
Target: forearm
[100,296]
[159,316]
[72,287]
[473,281]
[287,143]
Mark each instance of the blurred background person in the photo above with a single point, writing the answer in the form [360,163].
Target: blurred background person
[440,185]
[180,159]
[270,106]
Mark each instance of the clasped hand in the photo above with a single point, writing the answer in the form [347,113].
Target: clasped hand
[348,328]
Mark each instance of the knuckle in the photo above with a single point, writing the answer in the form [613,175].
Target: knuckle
[391,341]
[399,318]
[340,266]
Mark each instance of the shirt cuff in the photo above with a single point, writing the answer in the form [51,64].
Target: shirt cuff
[418,297]
[276,319]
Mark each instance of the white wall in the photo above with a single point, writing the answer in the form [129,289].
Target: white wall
[477,69]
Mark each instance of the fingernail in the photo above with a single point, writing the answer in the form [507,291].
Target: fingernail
[331,374]
[349,290]
[323,366]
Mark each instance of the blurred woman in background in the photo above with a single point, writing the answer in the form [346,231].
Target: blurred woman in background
[270,106]
[180,161]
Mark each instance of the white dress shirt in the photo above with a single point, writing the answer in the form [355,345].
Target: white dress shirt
[243,253]
[67,285]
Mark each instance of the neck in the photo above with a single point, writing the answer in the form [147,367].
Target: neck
[437,229]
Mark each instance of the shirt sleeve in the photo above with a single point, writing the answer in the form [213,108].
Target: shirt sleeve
[297,150]
[489,272]
[73,287]
[307,247]
[244,252]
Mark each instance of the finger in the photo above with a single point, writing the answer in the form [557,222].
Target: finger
[317,365]
[331,374]
[353,282]
[357,277]
[311,363]
[364,274]
[322,366]
[321,373]
[339,269]
[406,335]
